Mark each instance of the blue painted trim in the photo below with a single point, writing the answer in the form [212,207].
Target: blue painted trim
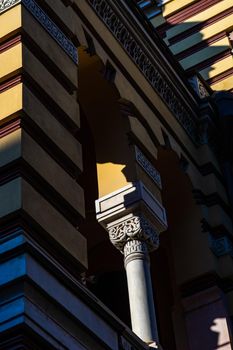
[12,323]
[12,243]
[221,246]
[12,310]
[12,269]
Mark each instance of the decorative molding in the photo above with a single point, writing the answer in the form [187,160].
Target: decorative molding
[133,234]
[148,167]
[52,29]
[135,247]
[10,43]
[6,4]
[198,87]
[221,246]
[10,83]
[46,23]
[8,128]
[148,67]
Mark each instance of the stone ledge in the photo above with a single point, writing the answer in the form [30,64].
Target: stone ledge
[132,198]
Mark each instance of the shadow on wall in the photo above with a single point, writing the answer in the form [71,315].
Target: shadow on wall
[217,332]
[210,57]
[198,50]
[99,100]
[210,333]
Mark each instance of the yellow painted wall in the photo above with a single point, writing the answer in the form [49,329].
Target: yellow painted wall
[10,21]
[11,101]
[10,60]
[217,68]
[176,5]
[110,177]
[226,84]
[200,17]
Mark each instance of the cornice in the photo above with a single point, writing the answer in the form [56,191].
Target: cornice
[145,60]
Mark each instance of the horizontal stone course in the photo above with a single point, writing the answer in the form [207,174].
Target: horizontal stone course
[19,195]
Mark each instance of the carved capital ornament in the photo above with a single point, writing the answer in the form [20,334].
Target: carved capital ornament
[134,235]
[5,4]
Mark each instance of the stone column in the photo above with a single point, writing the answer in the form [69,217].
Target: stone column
[135,237]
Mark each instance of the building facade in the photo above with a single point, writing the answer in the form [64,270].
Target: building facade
[199,34]
[116,175]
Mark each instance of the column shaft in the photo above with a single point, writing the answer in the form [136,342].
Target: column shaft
[136,237]
[141,296]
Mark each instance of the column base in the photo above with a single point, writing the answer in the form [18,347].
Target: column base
[154,345]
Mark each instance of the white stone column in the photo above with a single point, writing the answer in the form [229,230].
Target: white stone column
[135,237]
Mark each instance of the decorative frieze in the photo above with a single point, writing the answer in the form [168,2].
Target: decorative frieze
[52,29]
[46,23]
[221,246]
[135,247]
[148,167]
[145,63]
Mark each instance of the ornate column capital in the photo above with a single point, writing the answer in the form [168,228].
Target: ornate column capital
[133,234]
[5,4]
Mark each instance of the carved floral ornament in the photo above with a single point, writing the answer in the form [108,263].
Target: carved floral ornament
[135,234]
[5,4]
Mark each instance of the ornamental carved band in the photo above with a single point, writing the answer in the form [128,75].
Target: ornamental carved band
[148,167]
[146,64]
[135,247]
[52,29]
[46,22]
[135,229]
